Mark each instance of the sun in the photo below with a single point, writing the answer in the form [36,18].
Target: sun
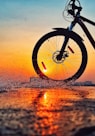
[44,70]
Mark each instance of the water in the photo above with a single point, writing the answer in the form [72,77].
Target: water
[47,111]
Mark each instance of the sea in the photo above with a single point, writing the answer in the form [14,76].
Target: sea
[46,109]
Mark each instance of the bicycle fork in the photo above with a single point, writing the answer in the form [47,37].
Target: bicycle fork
[62,51]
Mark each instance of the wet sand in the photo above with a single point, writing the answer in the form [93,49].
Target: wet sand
[47,112]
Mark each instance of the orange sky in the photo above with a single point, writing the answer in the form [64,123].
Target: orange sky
[22,24]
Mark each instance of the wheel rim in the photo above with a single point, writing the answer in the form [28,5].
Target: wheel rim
[45,62]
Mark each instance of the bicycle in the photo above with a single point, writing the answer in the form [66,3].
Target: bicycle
[61,55]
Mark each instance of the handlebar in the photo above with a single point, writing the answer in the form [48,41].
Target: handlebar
[74,7]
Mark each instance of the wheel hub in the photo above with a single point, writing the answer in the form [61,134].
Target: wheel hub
[57,58]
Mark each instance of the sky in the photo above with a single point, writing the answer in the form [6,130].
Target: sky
[23,22]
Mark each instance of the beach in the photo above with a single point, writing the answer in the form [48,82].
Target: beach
[66,111]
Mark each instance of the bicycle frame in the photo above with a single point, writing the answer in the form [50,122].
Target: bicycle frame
[83,26]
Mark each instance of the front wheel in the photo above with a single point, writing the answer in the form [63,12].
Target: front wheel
[69,67]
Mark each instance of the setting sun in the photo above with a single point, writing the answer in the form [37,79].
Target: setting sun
[45,70]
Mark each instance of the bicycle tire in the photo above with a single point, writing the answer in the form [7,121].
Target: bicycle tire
[73,36]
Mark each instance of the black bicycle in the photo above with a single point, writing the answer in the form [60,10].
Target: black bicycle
[61,54]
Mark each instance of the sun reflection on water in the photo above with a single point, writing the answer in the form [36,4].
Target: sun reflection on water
[51,110]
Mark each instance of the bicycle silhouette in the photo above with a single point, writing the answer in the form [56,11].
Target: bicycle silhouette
[61,55]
